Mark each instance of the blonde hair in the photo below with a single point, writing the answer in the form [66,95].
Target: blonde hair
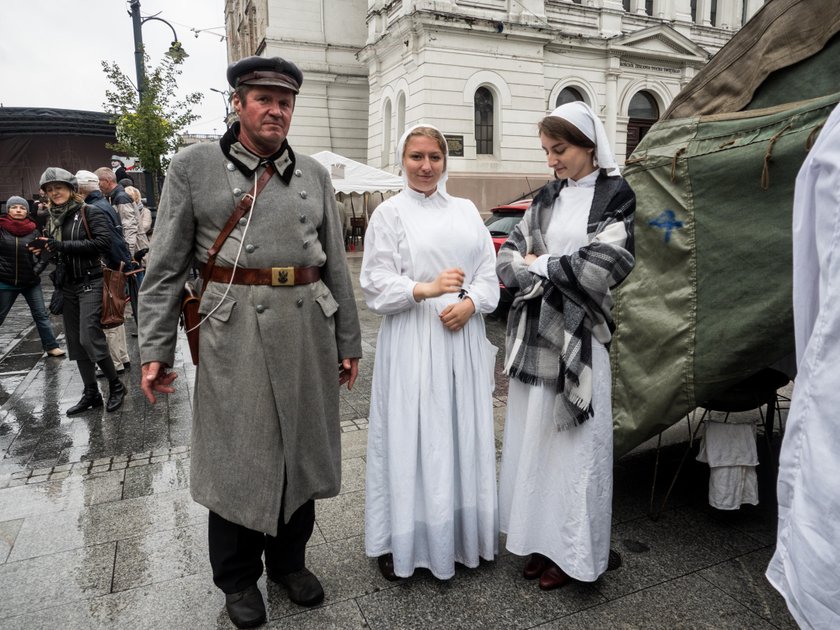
[133,193]
[428,132]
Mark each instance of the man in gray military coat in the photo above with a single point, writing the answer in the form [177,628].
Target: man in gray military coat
[279,335]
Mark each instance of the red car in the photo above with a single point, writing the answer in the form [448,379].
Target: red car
[501,222]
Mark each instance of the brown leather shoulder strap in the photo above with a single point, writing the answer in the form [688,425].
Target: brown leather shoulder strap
[84,221]
[241,208]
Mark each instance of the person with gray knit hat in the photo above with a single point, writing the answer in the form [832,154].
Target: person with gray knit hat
[77,235]
[19,273]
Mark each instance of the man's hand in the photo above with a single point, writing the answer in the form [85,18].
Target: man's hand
[348,370]
[455,316]
[156,379]
[529,259]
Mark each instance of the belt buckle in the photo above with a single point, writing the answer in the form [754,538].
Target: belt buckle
[282,276]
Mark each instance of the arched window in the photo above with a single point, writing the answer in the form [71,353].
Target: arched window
[386,133]
[643,112]
[568,95]
[483,121]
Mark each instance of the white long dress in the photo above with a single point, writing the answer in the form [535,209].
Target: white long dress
[805,568]
[555,487]
[431,467]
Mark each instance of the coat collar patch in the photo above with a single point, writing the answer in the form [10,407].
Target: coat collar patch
[246,162]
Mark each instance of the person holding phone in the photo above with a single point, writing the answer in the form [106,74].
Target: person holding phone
[428,267]
[77,237]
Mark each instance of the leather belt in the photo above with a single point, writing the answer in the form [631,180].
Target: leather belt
[274,276]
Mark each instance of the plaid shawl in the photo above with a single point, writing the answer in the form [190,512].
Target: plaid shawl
[552,321]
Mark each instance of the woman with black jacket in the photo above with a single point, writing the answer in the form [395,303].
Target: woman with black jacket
[77,235]
[18,273]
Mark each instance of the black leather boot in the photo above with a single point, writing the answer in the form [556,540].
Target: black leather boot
[90,398]
[116,394]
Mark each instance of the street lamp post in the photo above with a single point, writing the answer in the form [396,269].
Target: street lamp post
[175,51]
[226,98]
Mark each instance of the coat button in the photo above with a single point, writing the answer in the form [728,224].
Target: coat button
[260,308]
[305,244]
[229,166]
[243,221]
[303,218]
[303,194]
[250,248]
[298,173]
[300,302]
[237,191]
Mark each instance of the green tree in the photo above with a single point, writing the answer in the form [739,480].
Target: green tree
[149,127]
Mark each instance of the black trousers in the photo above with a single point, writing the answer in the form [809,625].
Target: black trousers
[236,551]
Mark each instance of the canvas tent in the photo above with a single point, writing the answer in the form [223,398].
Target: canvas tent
[355,183]
[709,303]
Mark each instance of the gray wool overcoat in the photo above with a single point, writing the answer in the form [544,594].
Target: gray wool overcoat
[265,414]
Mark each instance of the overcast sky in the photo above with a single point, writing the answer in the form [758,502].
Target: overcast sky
[50,51]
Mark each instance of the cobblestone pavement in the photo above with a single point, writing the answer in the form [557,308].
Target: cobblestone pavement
[97,528]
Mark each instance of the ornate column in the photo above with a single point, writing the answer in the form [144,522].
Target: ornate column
[610,112]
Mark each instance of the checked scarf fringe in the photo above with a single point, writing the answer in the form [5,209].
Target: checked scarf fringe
[552,321]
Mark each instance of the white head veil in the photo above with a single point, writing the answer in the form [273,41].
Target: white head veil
[581,116]
[441,185]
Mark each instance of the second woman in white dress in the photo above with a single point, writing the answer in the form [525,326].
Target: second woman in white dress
[428,267]
[572,247]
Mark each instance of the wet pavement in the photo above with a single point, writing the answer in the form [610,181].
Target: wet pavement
[97,528]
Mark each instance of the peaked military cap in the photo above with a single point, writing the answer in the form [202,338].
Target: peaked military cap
[265,71]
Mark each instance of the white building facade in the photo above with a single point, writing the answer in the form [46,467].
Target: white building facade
[483,71]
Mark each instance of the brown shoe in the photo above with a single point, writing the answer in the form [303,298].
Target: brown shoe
[386,567]
[534,566]
[553,577]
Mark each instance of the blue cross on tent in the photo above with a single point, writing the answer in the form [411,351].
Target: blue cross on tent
[667,220]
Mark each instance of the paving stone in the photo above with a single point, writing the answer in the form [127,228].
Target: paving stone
[161,556]
[8,533]
[352,474]
[743,579]
[156,478]
[340,616]
[492,596]
[342,516]
[119,520]
[680,542]
[354,444]
[50,580]
[688,602]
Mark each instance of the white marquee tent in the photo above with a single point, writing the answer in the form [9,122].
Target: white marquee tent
[357,187]
[349,176]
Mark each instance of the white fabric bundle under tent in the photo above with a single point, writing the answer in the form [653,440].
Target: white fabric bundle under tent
[358,185]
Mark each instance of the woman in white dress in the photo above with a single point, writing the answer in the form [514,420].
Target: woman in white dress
[428,267]
[572,246]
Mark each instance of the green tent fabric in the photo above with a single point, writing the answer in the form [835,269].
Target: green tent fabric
[709,302]
[784,53]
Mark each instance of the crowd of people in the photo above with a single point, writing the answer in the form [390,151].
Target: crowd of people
[276,300]
[85,222]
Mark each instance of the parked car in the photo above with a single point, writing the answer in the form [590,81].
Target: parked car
[501,222]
